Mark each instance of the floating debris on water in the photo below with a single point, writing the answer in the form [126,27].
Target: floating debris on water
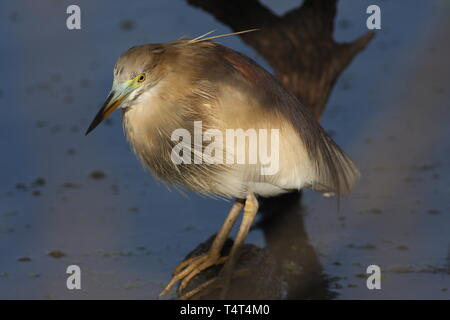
[127,25]
[24,259]
[375,211]
[70,185]
[97,175]
[38,182]
[367,246]
[10,213]
[56,254]
[402,269]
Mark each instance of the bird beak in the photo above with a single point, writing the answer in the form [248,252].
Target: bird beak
[114,100]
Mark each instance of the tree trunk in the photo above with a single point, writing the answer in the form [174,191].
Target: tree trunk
[298,45]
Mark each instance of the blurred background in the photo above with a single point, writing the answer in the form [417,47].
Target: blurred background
[69,199]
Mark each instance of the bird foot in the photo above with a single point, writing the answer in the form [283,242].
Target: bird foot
[220,282]
[203,289]
[189,268]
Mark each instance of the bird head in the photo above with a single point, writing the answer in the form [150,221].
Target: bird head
[134,73]
[142,67]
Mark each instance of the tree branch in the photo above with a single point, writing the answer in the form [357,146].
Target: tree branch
[298,45]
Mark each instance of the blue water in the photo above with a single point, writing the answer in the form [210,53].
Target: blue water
[389,110]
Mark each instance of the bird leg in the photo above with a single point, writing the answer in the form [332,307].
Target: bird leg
[250,211]
[193,266]
[226,274]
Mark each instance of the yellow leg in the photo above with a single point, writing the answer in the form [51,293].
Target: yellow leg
[193,266]
[250,211]
[227,272]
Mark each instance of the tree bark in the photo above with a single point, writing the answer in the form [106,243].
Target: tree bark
[299,45]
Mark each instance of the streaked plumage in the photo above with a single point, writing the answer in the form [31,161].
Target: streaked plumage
[225,89]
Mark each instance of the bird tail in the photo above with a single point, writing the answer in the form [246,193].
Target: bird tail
[335,171]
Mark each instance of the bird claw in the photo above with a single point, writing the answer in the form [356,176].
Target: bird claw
[210,284]
[189,268]
[220,282]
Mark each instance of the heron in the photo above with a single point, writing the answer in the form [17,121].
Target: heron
[162,88]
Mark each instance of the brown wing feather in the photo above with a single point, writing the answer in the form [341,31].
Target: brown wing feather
[335,171]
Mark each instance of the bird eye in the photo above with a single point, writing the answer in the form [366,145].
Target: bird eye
[141,77]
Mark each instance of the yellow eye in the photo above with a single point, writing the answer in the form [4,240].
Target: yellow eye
[141,77]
